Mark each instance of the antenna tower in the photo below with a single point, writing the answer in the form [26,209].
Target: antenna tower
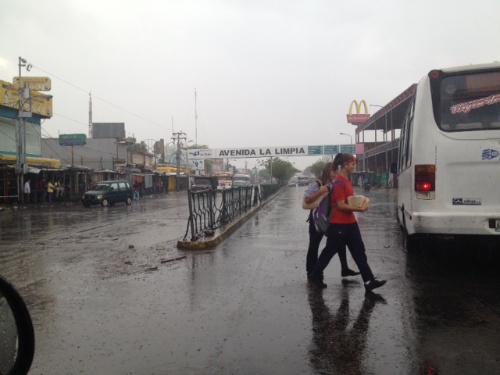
[195,120]
[90,115]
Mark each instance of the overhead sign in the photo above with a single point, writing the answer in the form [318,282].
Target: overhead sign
[262,152]
[72,139]
[350,149]
[358,118]
[35,83]
[315,150]
[331,149]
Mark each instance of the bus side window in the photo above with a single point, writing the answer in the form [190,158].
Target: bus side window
[405,147]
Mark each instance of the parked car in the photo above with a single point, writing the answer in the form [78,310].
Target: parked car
[108,193]
[201,184]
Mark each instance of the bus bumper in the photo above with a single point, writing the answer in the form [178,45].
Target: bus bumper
[484,224]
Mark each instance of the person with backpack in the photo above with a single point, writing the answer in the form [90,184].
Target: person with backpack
[343,229]
[317,189]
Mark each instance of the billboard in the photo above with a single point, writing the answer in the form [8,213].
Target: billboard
[35,83]
[198,165]
[72,139]
[358,118]
[39,103]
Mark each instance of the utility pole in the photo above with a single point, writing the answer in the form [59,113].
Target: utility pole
[21,166]
[178,137]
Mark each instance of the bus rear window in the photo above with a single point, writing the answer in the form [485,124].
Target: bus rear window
[468,102]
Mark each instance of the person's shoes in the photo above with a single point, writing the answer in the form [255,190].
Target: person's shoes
[318,281]
[374,284]
[349,272]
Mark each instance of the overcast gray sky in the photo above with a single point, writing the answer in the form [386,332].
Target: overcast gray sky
[266,73]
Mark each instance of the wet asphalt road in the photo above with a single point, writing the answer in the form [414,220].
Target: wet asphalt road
[109,293]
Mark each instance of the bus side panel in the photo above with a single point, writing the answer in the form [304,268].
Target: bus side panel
[422,148]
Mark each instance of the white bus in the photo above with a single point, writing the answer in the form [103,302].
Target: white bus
[449,156]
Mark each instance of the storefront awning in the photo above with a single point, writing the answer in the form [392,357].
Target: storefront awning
[34,161]
[34,170]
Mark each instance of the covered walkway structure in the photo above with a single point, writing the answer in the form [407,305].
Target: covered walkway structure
[377,156]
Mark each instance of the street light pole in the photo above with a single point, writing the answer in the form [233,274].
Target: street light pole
[271,161]
[350,136]
[178,137]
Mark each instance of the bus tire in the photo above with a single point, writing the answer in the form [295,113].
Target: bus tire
[410,243]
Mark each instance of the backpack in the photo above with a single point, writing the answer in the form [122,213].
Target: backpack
[322,214]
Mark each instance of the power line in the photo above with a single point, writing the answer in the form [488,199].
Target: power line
[100,98]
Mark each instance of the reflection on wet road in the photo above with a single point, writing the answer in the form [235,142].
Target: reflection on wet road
[110,294]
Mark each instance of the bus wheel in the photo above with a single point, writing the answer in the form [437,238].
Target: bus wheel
[410,243]
[398,220]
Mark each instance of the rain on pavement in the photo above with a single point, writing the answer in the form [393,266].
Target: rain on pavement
[109,293]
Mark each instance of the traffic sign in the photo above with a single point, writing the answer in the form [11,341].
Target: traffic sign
[314,150]
[351,149]
[331,149]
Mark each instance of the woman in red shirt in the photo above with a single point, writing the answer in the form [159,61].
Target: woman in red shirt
[344,229]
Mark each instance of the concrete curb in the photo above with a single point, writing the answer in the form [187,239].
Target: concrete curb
[224,232]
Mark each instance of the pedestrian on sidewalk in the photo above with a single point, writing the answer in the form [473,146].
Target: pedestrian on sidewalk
[344,229]
[42,191]
[136,191]
[27,191]
[50,191]
[315,191]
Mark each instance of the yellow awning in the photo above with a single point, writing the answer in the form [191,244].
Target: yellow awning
[32,161]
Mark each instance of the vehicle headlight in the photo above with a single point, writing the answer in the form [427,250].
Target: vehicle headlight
[99,196]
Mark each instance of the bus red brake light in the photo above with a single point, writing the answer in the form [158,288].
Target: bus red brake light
[423,186]
[425,178]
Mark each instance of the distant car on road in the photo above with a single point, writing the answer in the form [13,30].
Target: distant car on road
[303,180]
[240,183]
[201,184]
[107,193]
[241,179]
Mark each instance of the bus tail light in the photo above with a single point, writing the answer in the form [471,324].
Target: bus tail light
[425,178]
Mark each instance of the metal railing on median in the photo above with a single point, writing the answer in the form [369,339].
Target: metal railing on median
[212,209]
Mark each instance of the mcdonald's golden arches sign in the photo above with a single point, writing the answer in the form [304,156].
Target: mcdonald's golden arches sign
[358,118]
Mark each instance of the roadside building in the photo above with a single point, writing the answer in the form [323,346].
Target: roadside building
[21,115]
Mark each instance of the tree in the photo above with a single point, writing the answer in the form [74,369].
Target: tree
[280,170]
[317,167]
[139,147]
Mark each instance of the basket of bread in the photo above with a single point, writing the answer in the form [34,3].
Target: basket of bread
[357,200]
